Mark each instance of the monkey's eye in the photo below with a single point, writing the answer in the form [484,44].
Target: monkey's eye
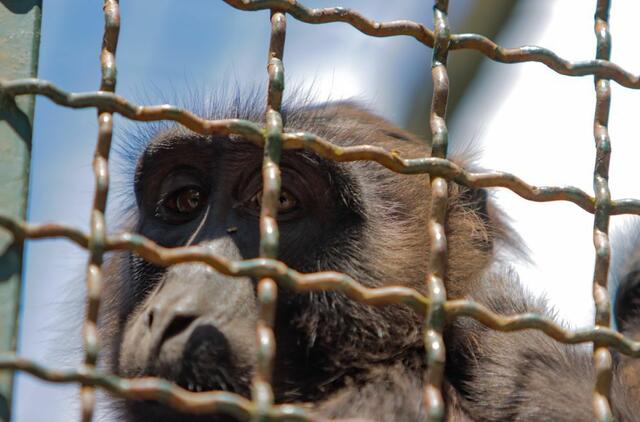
[181,205]
[184,201]
[286,202]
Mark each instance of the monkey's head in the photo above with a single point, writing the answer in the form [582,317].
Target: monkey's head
[196,327]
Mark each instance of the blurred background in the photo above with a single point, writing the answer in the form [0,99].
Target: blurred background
[523,118]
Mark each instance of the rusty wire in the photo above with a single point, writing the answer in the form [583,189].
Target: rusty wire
[435,315]
[297,140]
[97,238]
[254,133]
[602,359]
[271,272]
[598,67]
[269,233]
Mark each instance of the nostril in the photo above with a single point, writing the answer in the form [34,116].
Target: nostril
[178,324]
[150,319]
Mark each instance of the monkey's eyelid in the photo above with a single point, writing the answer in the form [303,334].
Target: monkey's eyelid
[256,198]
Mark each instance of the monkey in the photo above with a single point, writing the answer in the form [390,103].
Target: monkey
[340,358]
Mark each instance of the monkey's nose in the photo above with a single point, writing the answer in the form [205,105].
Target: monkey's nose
[170,330]
[175,334]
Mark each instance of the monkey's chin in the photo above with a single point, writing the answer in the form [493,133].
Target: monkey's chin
[205,364]
[193,378]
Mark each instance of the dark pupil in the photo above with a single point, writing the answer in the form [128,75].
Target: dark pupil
[188,200]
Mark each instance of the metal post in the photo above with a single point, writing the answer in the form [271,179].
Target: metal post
[19,44]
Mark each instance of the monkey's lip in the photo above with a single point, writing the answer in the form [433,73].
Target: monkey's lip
[220,380]
[195,379]
[198,376]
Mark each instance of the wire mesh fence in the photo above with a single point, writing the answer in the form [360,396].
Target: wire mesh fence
[273,274]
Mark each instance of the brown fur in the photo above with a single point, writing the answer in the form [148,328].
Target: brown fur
[526,375]
[368,362]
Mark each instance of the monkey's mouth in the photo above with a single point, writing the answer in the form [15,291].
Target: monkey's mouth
[206,364]
[194,380]
[199,380]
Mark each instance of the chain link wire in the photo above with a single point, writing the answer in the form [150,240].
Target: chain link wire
[602,359]
[435,317]
[272,273]
[97,239]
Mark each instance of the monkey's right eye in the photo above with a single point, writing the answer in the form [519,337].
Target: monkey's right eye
[181,205]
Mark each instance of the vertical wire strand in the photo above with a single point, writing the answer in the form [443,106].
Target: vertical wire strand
[434,322]
[269,234]
[602,359]
[98,229]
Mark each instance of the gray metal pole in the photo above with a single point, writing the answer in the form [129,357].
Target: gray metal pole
[19,44]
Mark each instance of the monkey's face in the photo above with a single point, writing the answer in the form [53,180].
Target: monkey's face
[188,323]
[197,328]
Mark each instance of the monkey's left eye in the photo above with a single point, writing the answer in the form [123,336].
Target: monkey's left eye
[286,202]
[288,205]
[181,204]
